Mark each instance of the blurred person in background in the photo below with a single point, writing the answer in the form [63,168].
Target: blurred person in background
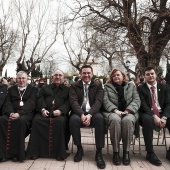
[12,81]
[4,81]
[66,83]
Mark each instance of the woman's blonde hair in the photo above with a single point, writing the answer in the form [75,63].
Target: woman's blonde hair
[110,79]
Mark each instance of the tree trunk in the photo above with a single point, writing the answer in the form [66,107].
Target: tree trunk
[1,69]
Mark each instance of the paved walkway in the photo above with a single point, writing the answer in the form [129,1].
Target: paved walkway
[138,161]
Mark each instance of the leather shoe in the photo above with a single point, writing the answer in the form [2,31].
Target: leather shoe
[116,158]
[99,160]
[34,157]
[168,154]
[126,158]
[3,159]
[78,156]
[59,159]
[152,158]
[15,159]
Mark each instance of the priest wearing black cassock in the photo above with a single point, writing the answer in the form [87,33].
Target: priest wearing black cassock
[18,111]
[49,126]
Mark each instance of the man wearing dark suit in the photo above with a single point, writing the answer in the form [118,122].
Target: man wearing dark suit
[86,97]
[154,112]
[3,93]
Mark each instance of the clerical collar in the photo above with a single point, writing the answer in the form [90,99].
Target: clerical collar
[22,88]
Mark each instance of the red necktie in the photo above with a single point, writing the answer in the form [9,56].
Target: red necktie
[155,109]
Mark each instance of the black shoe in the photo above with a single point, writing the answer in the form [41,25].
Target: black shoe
[152,158]
[15,159]
[78,156]
[3,159]
[59,159]
[168,154]
[116,158]
[99,160]
[34,157]
[126,158]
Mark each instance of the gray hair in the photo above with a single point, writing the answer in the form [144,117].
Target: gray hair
[22,72]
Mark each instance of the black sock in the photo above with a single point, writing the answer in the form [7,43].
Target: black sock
[99,150]
[149,152]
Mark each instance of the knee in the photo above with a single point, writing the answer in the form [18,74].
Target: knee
[114,120]
[147,121]
[20,121]
[74,120]
[128,120]
[98,118]
[60,120]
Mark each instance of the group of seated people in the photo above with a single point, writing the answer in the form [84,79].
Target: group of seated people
[62,110]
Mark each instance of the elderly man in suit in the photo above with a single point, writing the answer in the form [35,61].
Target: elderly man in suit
[86,97]
[18,111]
[154,112]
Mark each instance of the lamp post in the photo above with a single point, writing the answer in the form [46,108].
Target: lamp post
[127,67]
[50,70]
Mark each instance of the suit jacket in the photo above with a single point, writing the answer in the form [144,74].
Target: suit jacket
[146,100]
[3,92]
[95,95]
[12,101]
[51,93]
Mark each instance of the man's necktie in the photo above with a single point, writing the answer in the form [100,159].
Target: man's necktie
[85,97]
[155,109]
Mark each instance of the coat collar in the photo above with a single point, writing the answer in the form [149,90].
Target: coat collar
[61,86]
[80,83]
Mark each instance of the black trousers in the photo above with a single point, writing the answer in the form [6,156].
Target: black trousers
[147,122]
[97,122]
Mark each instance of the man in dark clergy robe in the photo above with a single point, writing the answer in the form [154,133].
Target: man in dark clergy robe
[18,111]
[50,125]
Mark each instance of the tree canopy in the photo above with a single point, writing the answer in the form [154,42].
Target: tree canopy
[146,24]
